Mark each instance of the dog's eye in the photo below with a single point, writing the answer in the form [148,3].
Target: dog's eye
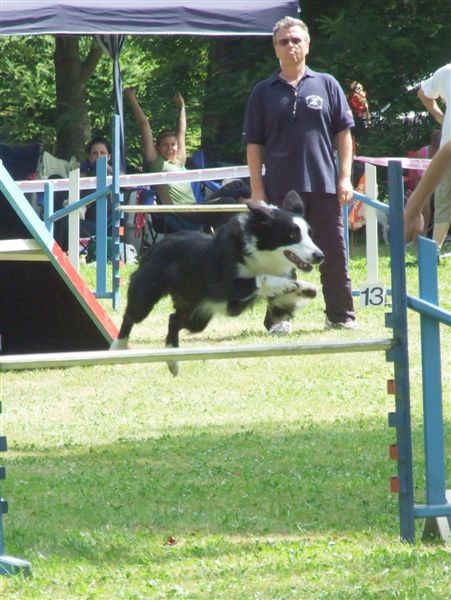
[294,235]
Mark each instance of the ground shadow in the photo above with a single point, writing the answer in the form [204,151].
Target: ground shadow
[258,482]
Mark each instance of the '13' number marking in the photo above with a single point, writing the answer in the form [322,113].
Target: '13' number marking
[372,295]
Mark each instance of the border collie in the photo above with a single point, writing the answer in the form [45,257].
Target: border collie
[249,257]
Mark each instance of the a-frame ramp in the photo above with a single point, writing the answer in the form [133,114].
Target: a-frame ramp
[45,306]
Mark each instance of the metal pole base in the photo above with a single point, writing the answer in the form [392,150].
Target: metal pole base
[14,566]
[438,528]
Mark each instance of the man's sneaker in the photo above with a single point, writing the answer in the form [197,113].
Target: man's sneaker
[340,325]
[280,328]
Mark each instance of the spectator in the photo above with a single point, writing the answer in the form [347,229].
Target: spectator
[439,86]
[439,168]
[294,122]
[358,102]
[168,154]
[413,176]
[97,148]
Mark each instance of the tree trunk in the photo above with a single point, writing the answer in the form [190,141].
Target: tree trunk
[232,74]
[71,75]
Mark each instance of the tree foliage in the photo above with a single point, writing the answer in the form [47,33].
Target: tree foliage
[388,46]
[159,67]
[27,89]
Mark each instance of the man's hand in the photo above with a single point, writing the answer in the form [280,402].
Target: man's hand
[345,190]
[413,224]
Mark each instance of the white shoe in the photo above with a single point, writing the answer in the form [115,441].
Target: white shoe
[280,328]
[340,325]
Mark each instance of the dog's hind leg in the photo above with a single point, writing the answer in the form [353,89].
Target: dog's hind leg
[180,319]
[121,342]
[172,340]
[140,302]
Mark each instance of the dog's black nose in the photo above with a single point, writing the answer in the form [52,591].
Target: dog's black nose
[318,257]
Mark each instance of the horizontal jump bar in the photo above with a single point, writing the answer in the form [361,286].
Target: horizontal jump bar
[370,202]
[430,310]
[183,208]
[141,179]
[423,511]
[14,362]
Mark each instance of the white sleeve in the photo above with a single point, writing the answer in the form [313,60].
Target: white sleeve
[439,85]
[429,88]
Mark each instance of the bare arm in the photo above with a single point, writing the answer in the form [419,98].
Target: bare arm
[148,145]
[344,148]
[181,128]
[432,106]
[439,165]
[255,164]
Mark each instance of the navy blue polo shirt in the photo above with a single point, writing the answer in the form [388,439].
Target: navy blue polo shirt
[297,129]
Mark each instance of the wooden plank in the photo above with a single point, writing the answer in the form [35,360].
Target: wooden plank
[21,249]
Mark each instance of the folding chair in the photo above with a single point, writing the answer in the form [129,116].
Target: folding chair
[21,161]
[151,225]
[197,161]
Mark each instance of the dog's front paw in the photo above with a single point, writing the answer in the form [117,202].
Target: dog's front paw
[307,291]
[271,287]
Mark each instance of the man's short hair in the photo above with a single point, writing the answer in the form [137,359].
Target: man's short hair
[287,22]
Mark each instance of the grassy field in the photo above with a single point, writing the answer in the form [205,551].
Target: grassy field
[239,479]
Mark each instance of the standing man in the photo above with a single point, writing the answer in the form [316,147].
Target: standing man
[295,120]
[439,86]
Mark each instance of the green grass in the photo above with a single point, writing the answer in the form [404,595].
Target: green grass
[239,479]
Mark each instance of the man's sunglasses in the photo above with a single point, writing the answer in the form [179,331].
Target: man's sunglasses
[285,41]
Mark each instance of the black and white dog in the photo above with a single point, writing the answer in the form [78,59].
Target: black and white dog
[250,257]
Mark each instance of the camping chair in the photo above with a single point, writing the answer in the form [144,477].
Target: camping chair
[150,225]
[22,163]
[197,161]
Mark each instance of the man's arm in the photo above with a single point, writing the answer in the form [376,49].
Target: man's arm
[255,163]
[149,151]
[431,105]
[439,165]
[343,141]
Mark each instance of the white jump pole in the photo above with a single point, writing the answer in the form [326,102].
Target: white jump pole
[183,208]
[372,242]
[111,357]
[73,250]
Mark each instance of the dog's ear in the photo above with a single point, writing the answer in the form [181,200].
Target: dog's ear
[252,205]
[293,203]
[261,208]
[260,213]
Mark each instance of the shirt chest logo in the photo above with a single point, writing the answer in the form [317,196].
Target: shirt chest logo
[314,102]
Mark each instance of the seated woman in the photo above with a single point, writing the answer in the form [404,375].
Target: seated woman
[97,148]
[167,154]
